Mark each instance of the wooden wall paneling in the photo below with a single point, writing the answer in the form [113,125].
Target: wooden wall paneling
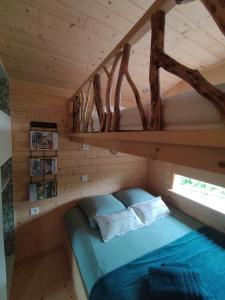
[193,148]
[106,172]
[160,181]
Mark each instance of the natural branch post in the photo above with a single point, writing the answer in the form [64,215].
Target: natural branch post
[82,98]
[98,101]
[138,100]
[76,113]
[110,76]
[124,71]
[157,44]
[196,80]
[87,100]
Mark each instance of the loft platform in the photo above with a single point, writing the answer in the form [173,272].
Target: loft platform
[202,149]
[198,141]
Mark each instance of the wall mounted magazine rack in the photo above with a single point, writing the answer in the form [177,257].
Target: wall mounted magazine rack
[43,160]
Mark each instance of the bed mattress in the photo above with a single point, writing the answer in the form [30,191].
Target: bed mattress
[95,258]
[185,111]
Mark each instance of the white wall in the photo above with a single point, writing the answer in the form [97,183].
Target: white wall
[3,280]
[5,154]
[5,138]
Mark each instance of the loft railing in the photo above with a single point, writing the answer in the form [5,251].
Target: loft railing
[153,19]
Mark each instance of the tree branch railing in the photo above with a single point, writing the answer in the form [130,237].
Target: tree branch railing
[154,19]
[110,75]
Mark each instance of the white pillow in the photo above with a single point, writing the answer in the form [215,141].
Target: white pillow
[151,210]
[145,212]
[159,207]
[118,223]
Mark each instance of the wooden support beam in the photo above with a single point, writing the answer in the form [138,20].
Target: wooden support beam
[196,80]
[76,113]
[216,9]
[123,71]
[198,149]
[157,44]
[110,76]
[98,101]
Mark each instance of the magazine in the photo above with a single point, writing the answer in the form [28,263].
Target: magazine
[42,190]
[43,166]
[43,140]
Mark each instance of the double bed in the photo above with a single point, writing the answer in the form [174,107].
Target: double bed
[93,260]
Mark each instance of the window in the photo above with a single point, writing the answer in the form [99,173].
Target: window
[205,193]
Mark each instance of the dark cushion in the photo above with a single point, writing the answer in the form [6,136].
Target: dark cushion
[99,205]
[132,196]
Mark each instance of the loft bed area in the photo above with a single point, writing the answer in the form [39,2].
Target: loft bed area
[186,111]
[112,178]
[193,114]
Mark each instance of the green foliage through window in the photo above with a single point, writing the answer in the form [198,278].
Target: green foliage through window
[198,186]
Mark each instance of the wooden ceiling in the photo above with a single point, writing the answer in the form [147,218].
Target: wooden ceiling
[60,42]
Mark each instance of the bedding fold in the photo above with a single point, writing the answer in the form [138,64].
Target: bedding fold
[203,250]
[177,281]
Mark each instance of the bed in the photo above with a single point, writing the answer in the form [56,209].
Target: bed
[114,241]
[188,110]
[93,259]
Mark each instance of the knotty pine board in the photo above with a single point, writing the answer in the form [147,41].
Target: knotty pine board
[107,172]
[52,44]
[46,277]
[160,181]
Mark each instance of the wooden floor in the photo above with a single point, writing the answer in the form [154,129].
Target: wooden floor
[45,278]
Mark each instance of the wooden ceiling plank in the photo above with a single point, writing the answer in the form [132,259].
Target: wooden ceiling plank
[197,13]
[74,17]
[124,8]
[36,88]
[100,13]
[20,10]
[59,10]
[144,4]
[20,52]
[135,34]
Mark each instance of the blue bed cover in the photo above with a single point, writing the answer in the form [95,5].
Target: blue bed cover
[96,259]
[202,250]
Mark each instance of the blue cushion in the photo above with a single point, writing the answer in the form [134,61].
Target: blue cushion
[132,196]
[100,205]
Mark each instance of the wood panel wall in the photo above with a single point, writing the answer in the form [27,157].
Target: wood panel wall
[160,182]
[106,172]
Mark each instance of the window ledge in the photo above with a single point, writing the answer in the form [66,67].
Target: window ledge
[212,202]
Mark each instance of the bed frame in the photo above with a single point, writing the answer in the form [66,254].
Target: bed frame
[201,149]
[77,281]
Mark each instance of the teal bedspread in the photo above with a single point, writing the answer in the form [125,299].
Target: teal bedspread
[96,259]
[203,250]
